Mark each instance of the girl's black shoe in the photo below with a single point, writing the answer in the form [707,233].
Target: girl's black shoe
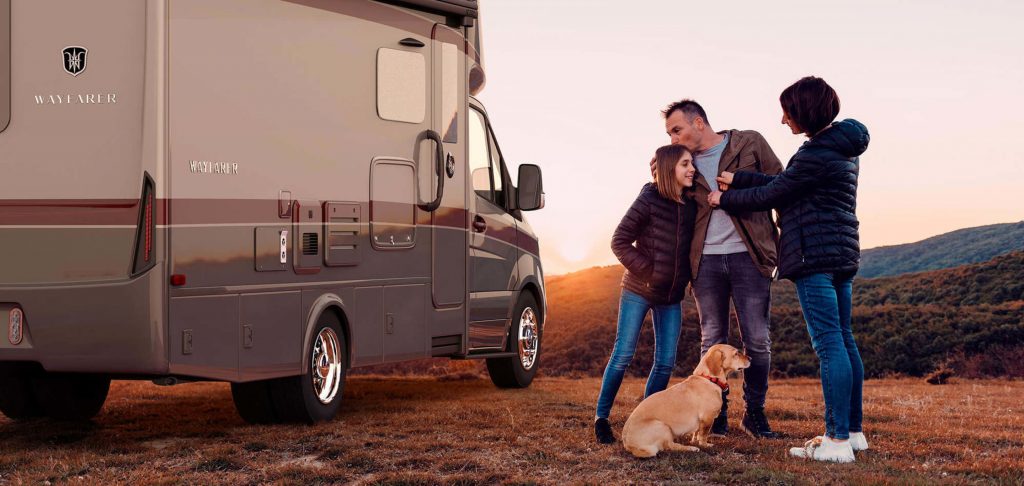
[603,431]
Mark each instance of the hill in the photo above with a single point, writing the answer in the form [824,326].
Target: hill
[969,317]
[961,247]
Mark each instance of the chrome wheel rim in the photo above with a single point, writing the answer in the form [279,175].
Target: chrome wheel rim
[326,365]
[529,338]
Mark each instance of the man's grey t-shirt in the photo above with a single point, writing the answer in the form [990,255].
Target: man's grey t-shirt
[722,237]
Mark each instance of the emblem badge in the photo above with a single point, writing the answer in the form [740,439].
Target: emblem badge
[74,59]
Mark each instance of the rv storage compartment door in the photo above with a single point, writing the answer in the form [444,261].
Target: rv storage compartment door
[270,337]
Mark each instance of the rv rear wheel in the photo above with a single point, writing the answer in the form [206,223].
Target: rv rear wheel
[16,399]
[253,401]
[524,338]
[70,396]
[311,397]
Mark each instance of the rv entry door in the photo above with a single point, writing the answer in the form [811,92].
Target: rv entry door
[450,219]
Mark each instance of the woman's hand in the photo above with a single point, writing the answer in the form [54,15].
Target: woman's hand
[715,199]
[654,168]
[724,180]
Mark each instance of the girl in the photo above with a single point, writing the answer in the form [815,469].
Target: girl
[816,197]
[660,223]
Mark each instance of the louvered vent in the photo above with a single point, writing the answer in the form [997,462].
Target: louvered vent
[310,243]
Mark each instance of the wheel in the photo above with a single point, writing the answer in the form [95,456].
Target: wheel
[524,338]
[70,396]
[16,399]
[311,397]
[253,402]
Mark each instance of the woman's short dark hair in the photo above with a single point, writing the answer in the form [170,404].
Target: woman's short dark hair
[811,103]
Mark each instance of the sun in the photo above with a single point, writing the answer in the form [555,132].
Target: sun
[573,252]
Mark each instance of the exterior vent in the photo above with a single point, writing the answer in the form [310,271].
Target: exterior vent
[310,243]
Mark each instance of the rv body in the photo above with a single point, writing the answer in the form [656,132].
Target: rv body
[192,188]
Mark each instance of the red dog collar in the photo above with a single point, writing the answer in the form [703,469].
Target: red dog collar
[724,385]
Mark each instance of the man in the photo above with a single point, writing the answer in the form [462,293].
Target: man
[732,257]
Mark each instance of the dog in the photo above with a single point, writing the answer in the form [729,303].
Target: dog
[687,407]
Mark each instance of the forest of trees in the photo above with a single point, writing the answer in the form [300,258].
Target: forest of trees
[969,318]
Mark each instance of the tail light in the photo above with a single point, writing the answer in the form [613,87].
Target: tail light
[15,326]
[144,257]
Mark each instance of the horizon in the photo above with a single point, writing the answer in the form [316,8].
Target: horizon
[584,89]
[616,263]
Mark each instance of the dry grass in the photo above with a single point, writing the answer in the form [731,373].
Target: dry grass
[425,431]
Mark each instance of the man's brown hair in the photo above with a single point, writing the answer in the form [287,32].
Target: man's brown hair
[810,103]
[690,109]
[666,159]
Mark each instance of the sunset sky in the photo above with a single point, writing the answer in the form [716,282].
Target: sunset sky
[576,86]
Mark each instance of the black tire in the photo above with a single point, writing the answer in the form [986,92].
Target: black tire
[17,401]
[70,396]
[294,398]
[253,402]
[511,372]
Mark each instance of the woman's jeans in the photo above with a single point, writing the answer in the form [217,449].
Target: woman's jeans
[667,325]
[826,300]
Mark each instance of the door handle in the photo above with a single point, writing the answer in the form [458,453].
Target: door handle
[438,168]
[479,225]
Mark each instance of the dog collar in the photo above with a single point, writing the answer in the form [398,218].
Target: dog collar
[724,385]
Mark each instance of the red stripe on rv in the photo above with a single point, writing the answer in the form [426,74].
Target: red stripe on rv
[125,212]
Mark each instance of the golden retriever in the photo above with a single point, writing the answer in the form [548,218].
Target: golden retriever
[688,407]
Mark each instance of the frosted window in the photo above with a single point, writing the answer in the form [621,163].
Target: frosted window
[450,92]
[401,86]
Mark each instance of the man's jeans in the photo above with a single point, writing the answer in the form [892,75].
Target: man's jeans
[719,278]
[826,301]
[667,325]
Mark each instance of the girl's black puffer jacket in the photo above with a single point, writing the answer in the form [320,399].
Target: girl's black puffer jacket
[816,197]
[658,267]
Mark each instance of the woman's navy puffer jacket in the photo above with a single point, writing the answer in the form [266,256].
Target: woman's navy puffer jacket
[658,267]
[816,197]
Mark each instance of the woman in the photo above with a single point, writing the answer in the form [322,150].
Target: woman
[816,197]
[660,222]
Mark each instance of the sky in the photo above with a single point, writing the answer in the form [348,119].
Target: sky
[577,86]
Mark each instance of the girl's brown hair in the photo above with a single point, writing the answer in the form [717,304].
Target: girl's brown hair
[666,159]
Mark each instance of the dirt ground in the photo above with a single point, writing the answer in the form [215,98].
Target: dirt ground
[431,431]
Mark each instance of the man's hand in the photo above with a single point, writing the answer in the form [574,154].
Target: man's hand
[715,199]
[654,168]
[724,180]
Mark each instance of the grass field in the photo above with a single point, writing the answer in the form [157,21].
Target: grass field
[430,431]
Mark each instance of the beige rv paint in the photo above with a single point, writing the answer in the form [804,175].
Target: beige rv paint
[5,64]
[67,147]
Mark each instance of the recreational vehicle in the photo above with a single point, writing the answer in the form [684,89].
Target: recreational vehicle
[262,192]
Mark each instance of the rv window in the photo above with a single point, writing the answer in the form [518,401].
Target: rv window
[401,86]
[450,92]
[480,158]
[5,64]
[496,172]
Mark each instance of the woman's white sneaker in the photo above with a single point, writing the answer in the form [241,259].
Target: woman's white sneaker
[858,441]
[824,449]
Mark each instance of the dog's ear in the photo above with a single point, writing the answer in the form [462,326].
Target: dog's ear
[714,361]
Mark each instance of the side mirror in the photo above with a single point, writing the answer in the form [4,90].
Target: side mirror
[530,191]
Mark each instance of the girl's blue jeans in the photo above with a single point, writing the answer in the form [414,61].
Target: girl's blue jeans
[667,326]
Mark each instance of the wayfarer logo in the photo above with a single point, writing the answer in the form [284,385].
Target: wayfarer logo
[74,59]
[77,99]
